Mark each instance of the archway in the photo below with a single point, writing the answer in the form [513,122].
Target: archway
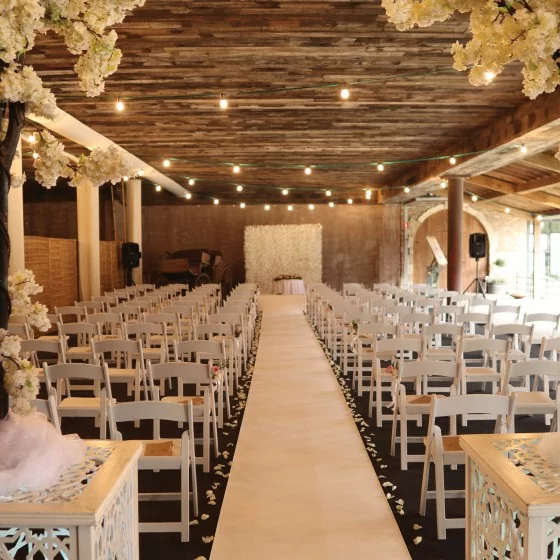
[436,226]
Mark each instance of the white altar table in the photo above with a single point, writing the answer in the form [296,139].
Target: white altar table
[92,512]
[289,287]
[512,498]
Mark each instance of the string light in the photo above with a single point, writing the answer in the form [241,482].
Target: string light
[523,149]
[539,218]
[119,105]
[35,155]
[125,178]
[267,207]
[507,210]
[242,205]
[443,184]
[380,167]
[188,196]
[239,188]
[407,190]
[328,193]
[236,169]
[474,198]
[140,173]
[452,160]
[285,192]
[307,170]
[345,93]
[166,163]
[489,75]
[368,194]
[158,188]
[331,204]
[311,207]
[191,182]
[290,207]
[216,201]
[32,139]
[350,201]
[223,102]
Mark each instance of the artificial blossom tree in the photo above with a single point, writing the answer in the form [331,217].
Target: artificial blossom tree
[84,26]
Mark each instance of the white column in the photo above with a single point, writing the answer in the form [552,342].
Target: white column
[88,242]
[15,218]
[134,221]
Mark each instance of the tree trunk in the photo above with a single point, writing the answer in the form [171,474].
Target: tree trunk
[8,147]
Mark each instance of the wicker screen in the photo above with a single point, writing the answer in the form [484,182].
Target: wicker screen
[112,272]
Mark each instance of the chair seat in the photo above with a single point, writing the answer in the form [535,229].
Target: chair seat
[536,399]
[149,352]
[116,373]
[196,400]
[441,353]
[81,350]
[51,337]
[418,399]
[482,372]
[162,448]
[93,403]
[450,444]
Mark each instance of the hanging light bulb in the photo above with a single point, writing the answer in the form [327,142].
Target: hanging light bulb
[307,170]
[216,201]
[368,194]
[285,192]
[188,196]
[380,167]
[267,207]
[32,139]
[140,173]
[452,160]
[328,193]
[474,198]
[345,93]
[489,76]
[242,205]
[35,155]
[331,204]
[223,102]
[125,178]
[166,163]
[350,201]
[119,105]
[290,207]
[158,188]
[407,190]
[523,149]
[236,169]
[239,188]
[507,210]
[539,218]
[191,182]
[311,207]
[443,184]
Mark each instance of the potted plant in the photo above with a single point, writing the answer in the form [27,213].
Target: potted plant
[497,284]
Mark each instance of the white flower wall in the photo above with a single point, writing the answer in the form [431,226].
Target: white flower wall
[272,251]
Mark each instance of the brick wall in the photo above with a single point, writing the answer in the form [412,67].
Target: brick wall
[360,243]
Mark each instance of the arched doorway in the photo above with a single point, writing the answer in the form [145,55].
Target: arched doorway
[436,226]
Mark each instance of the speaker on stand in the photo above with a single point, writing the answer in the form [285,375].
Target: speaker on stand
[130,256]
[477,250]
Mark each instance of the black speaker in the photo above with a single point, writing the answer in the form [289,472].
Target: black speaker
[477,245]
[131,255]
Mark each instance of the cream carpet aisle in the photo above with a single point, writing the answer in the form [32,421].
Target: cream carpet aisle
[301,485]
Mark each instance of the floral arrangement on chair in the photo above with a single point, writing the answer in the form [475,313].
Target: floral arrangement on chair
[393,369]
[218,371]
[21,378]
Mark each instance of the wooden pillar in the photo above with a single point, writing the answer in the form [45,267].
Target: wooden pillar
[88,242]
[15,219]
[134,221]
[455,234]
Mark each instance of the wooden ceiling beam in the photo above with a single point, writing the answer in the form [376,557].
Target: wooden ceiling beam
[544,161]
[534,124]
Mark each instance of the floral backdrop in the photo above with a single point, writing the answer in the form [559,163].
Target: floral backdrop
[272,251]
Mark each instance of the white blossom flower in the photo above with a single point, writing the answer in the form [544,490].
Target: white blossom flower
[53,162]
[103,165]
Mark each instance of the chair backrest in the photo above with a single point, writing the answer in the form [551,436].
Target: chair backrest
[144,329]
[19,329]
[228,318]
[189,372]
[512,329]
[500,310]
[133,348]
[213,329]
[453,406]
[484,345]
[549,345]
[524,370]
[71,311]
[86,329]
[400,345]
[90,372]
[479,318]
[429,368]
[94,306]
[45,346]
[210,349]
[412,321]
[546,324]
[478,304]
[444,329]
[378,330]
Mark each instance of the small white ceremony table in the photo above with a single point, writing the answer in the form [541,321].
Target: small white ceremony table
[512,497]
[289,287]
[91,514]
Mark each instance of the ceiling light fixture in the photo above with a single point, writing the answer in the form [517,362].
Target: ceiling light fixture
[242,205]
[285,192]
[32,139]
[223,102]
[158,188]
[350,201]
[380,167]
[407,190]
[452,160]
[523,149]
[507,210]
[236,169]
[191,182]
[331,204]
[474,198]
[119,105]
[311,207]
[239,188]
[307,170]
[216,201]
[345,93]
[267,207]
[166,163]
[290,207]
[328,193]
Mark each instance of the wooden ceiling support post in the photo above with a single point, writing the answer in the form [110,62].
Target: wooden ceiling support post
[455,234]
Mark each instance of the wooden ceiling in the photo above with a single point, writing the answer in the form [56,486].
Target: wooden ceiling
[179,56]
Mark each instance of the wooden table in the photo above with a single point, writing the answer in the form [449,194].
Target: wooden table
[512,498]
[289,287]
[74,520]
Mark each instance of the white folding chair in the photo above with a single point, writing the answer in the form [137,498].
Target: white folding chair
[48,408]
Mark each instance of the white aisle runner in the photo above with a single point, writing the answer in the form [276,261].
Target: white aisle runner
[301,485]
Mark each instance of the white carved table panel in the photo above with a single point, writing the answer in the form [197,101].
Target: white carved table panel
[513,497]
[91,514]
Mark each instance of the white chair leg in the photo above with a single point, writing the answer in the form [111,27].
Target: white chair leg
[206,440]
[185,490]
[425,481]
[404,447]
[440,497]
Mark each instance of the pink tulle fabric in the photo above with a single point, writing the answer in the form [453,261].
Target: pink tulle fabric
[33,454]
